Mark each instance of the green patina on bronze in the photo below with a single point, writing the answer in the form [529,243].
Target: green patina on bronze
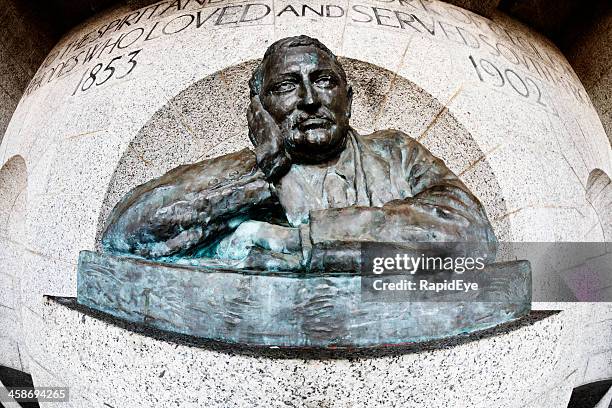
[312,191]
[312,182]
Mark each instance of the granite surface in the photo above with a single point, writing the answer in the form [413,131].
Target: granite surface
[453,79]
[156,368]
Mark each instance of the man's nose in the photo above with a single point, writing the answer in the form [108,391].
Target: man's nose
[308,97]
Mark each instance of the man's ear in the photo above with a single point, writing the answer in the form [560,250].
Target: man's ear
[349,96]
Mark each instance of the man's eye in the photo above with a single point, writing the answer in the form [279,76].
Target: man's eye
[325,82]
[284,86]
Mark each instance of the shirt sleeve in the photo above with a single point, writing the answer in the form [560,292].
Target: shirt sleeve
[186,208]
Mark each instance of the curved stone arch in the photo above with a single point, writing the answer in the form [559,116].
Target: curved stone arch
[208,119]
[13,204]
[599,195]
[13,193]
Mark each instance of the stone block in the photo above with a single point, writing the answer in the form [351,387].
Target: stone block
[599,367]
[318,18]
[8,298]
[435,376]
[45,275]
[62,224]
[9,353]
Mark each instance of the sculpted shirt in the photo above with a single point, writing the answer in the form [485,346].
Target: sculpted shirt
[384,187]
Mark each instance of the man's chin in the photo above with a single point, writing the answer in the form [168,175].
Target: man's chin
[314,145]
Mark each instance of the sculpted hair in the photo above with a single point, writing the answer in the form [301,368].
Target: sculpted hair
[256,81]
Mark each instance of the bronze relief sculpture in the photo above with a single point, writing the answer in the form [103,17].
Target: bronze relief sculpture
[264,247]
[312,190]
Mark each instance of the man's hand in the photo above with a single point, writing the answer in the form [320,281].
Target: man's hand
[267,138]
[260,245]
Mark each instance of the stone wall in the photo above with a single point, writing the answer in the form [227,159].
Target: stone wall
[591,57]
[131,93]
[13,183]
[533,366]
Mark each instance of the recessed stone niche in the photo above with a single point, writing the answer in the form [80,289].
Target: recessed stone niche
[207,120]
[494,99]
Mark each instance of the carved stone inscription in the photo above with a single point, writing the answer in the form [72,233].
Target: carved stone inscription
[504,58]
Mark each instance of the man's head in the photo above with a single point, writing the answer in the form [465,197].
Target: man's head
[304,88]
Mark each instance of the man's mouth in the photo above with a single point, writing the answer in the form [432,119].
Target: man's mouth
[314,123]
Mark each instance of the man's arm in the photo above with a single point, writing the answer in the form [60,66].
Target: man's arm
[187,208]
[438,207]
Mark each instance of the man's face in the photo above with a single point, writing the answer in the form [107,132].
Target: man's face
[306,95]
